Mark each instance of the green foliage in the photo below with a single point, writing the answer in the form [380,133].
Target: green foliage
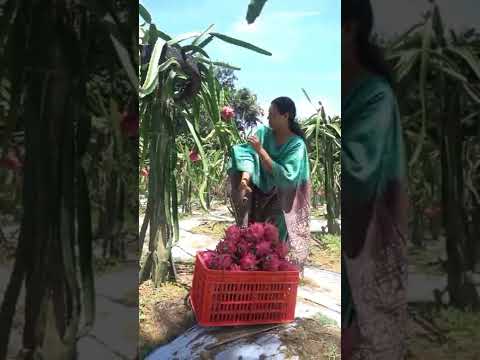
[246,107]
[64,122]
[182,133]
[438,84]
[254,9]
[331,243]
[323,135]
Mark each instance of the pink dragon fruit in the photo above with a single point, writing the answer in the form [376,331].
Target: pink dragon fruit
[226,247]
[208,256]
[263,248]
[255,232]
[235,267]
[281,250]
[11,161]
[233,233]
[243,247]
[225,261]
[215,262]
[129,124]
[287,266]
[271,263]
[245,234]
[227,113]
[248,262]
[271,233]
[194,156]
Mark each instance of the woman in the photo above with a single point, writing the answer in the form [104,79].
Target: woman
[374,201]
[270,179]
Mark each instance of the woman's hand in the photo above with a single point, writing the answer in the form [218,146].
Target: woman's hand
[253,140]
[265,159]
[244,186]
[244,189]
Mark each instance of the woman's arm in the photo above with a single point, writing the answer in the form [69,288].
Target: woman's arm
[265,159]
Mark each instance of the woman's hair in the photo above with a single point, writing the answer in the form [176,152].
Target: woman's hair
[285,104]
[371,56]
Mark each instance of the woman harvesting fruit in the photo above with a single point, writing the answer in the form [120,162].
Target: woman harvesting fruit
[270,179]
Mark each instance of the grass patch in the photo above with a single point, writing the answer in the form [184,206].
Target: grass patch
[325,252]
[318,213]
[330,243]
[105,265]
[427,260]
[459,327]
[215,229]
[312,339]
[307,282]
[324,321]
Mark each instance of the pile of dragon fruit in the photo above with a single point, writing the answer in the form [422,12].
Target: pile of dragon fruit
[255,248]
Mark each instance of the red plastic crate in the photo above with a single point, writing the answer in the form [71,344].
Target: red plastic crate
[229,298]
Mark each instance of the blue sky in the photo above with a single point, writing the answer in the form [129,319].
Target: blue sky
[303,36]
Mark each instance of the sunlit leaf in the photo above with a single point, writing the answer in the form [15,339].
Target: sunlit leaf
[151,79]
[144,13]
[241,43]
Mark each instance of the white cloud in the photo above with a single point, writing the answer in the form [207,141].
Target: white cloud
[276,31]
[306,109]
[241,27]
[280,56]
[295,14]
[331,105]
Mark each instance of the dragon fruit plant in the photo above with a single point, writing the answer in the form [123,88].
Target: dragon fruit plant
[255,248]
